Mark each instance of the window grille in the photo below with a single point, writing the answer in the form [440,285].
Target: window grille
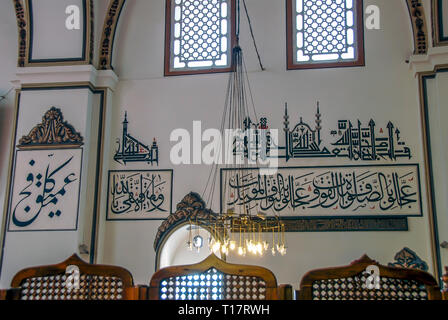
[325,33]
[200,36]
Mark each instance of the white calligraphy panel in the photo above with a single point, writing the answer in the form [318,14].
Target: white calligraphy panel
[139,194]
[381,190]
[46,186]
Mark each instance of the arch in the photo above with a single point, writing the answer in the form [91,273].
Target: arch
[23,34]
[175,251]
[191,208]
[419,26]
[108,33]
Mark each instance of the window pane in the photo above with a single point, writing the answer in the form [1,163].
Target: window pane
[200,32]
[324,31]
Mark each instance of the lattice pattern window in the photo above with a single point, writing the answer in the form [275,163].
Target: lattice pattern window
[212,285]
[354,288]
[200,36]
[325,33]
[91,287]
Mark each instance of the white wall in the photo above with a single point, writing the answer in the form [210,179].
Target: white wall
[384,90]
[23,249]
[8,62]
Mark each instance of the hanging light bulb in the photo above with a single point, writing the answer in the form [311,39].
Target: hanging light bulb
[265,245]
[252,225]
[224,249]
[259,248]
[216,246]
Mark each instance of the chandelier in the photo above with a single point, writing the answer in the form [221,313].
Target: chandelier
[241,229]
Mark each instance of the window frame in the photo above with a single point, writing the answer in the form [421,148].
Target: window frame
[168,44]
[359,61]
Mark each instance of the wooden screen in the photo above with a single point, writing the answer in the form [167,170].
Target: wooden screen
[352,283]
[213,279]
[96,282]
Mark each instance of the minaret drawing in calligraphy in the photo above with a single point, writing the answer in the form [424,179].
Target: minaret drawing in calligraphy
[318,122]
[132,150]
[303,141]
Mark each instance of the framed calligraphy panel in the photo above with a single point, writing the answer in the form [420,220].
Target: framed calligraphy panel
[330,191]
[45,191]
[139,194]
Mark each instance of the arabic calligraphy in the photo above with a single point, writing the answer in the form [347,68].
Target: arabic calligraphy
[132,150]
[255,140]
[45,193]
[354,142]
[383,190]
[351,141]
[139,195]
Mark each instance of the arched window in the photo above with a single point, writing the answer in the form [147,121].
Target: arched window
[325,33]
[200,35]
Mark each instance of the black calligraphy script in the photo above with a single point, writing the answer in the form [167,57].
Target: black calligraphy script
[137,192]
[353,190]
[41,189]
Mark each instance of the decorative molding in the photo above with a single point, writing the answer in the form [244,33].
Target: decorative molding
[91,30]
[406,258]
[22,31]
[419,26]
[191,207]
[428,62]
[108,34]
[66,75]
[53,131]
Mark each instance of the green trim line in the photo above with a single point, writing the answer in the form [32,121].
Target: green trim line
[442,37]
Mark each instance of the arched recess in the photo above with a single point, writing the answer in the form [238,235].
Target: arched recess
[192,208]
[108,34]
[175,250]
[24,25]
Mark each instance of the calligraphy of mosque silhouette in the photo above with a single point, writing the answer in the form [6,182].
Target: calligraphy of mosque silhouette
[354,142]
[132,150]
[303,141]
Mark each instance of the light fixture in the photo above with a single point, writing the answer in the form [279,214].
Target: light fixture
[242,230]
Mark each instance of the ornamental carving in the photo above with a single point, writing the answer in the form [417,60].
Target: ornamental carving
[108,35]
[419,26]
[21,24]
[406,258]
[191,207]
[53,131]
